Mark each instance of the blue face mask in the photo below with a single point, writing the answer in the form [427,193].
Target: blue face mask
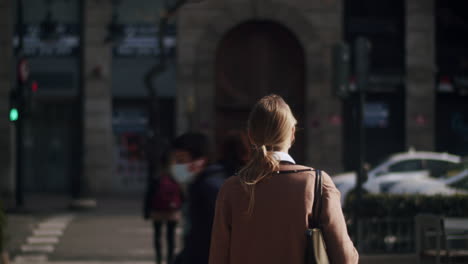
[181,173]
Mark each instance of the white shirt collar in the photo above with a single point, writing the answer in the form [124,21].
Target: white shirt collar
[283,156]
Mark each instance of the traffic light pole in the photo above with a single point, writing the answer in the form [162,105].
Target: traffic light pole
[361,59]
[154,126]
[19,195]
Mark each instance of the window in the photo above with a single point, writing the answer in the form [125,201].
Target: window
[451,36]
[456,169]
[437,168]
[461,184]
[406,165]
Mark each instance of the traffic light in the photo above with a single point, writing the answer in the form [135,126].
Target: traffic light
[14,113]
[341,69]
[34,86]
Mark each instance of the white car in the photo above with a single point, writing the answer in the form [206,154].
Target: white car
[398,167]
[454,182]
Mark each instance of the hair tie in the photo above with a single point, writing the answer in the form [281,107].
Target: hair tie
[264,150]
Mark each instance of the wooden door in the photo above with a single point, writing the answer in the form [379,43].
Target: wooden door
[253,60]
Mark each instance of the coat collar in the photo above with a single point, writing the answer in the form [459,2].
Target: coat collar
[283,157]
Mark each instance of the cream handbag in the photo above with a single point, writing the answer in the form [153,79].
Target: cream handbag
[316,252]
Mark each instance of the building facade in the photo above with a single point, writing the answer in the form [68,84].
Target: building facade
[402,76]
[89,116]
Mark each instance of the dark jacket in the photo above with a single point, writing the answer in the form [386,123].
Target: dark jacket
[202,195]
[151,188]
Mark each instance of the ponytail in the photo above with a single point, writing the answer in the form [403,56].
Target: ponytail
[260,166]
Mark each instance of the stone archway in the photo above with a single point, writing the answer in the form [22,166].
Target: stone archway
[316,26]
[254,59]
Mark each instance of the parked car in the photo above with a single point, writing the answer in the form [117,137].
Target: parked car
[455,181]
[398,167]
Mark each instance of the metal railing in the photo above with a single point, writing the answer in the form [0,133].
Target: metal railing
[385,235]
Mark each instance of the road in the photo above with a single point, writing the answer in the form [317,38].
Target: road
[113,233]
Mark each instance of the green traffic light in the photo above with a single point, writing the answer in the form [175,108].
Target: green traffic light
[14,115]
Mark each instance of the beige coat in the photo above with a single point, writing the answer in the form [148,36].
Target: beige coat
[275,232]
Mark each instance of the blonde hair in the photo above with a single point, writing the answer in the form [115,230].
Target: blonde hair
[269,126]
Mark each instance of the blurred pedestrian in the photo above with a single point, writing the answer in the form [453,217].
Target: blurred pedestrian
[193,167]
[163,206]
[262,214]
[234,152]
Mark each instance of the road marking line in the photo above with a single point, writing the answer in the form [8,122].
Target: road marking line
[52,225]
[46,235]
[42,240]
[30,259]
[37,248]
[101,262]
[63,217]
[47,232]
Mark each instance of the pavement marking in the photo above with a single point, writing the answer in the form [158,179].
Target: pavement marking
[28,259]
[67,217]
[42,240]
[47,232]
[52,225]
[45,237]
[43,259]
[37,248]
[31,259]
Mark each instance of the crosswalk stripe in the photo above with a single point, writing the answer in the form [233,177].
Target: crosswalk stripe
[101,262]
[42,240]
[37,248]
[52,225]
[30,259]
[45,236]
[47,232]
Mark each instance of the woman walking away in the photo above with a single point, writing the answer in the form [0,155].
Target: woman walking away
[262,214]
[165,203]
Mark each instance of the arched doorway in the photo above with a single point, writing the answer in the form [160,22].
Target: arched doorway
[254,59]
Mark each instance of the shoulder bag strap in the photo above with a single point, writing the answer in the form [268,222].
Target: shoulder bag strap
[293,171]
[317,205]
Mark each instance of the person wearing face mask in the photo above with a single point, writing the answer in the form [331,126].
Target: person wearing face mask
[202,179]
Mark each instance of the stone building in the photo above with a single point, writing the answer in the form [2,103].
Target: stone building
[212,95]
